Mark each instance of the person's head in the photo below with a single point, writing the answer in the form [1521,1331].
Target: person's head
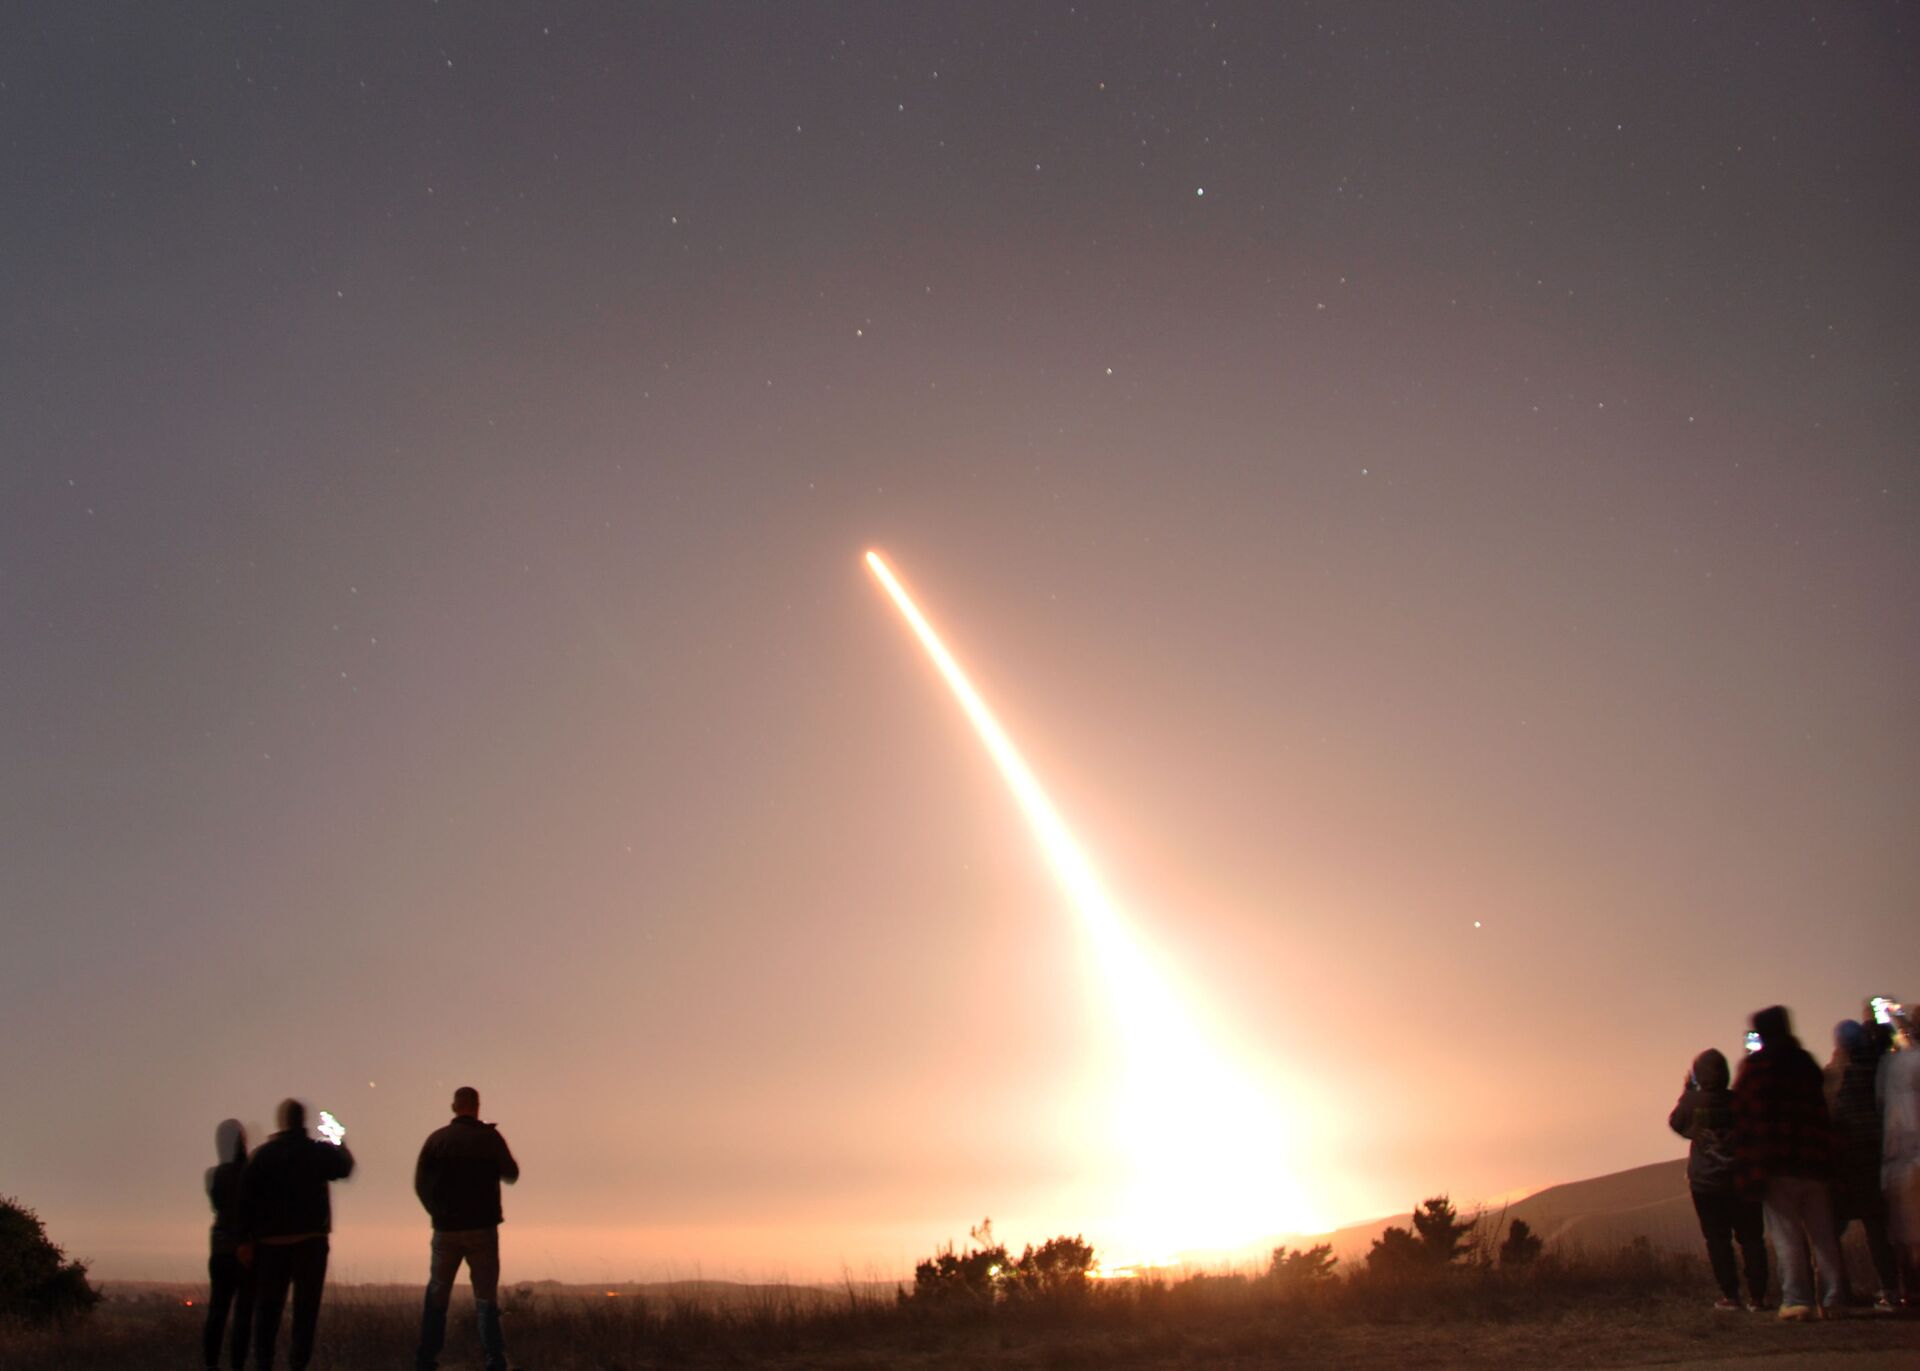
[291,1116]
[1850,1036]
[466,1100]
[1773,1024]
[1710,1070]
[230,1140]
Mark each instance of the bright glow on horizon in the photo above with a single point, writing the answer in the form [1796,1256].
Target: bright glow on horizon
[1207,1151]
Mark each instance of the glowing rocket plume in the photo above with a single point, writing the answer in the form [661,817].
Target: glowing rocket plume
[1207,1150]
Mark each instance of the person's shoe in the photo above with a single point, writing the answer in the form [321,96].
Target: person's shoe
[1883,1305]
[1796,1313]
[1727,1305]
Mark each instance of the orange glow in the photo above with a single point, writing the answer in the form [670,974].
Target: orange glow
[1206,1152]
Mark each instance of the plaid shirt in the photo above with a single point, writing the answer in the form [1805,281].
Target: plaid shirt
[1780,1123]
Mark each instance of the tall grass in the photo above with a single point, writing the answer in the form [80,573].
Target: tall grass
[1634,1293]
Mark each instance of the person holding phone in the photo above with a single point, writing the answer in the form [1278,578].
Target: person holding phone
[1784,1141]
[458,1181]
[286,1216]
[1851,1077]
[1704,1117]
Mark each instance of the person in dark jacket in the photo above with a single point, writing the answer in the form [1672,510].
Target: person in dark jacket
[458,1181]
[1704,1116]
[1850,1078]
[232,1282]
[1783,1140]
[286,1215]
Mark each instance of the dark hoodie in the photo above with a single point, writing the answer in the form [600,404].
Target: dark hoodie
[223,1185]
[1704,1116]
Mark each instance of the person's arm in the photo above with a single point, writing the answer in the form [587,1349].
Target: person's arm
[509,1168]
[1681,1119]
[243,1206]
[423,1176]
[339,1164]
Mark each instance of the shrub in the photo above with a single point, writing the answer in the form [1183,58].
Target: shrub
[1297,1272]
[37,1283]
[1057,1269]
[1522,1246]
[969,1277]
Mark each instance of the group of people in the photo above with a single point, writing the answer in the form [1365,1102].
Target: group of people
[1786,1154]
[272,1215]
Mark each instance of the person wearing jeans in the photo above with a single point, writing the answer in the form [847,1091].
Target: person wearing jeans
[458,1181]
[1784,1141]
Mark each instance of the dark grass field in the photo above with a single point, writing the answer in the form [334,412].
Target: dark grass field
[1626,1311]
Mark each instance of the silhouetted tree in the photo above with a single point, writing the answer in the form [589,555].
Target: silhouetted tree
[971,1276]
[1296,1272]
[1056,1269]
[1395,1250]
[1442,1231]
[37,1282]
[1522,1245]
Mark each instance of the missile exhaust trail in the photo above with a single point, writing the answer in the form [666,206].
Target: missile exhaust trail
[1207,1150]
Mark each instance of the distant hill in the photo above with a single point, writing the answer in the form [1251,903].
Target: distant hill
[1600,1214]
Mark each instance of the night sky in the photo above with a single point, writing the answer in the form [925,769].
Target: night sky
[1390,467]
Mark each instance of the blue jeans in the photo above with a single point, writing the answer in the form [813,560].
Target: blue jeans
[479,1248]
[1799,1217]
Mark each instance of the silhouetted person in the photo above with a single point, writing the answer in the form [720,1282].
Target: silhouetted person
[1851,1077]
[232,1281]
[1704,1116]
[286,1215]
[1784,1141]
[458,1180]
[1899,1093]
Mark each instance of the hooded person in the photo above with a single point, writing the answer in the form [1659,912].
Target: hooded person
[1852,1102]
[1784,1146]
[1704,1117]
[231,1280]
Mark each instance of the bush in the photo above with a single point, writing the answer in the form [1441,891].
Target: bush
[970,1277]
[1297,1273]
[1522,1246]
[37,1283]
[1057,1269]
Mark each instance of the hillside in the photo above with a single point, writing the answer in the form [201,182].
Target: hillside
[1598,1214]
